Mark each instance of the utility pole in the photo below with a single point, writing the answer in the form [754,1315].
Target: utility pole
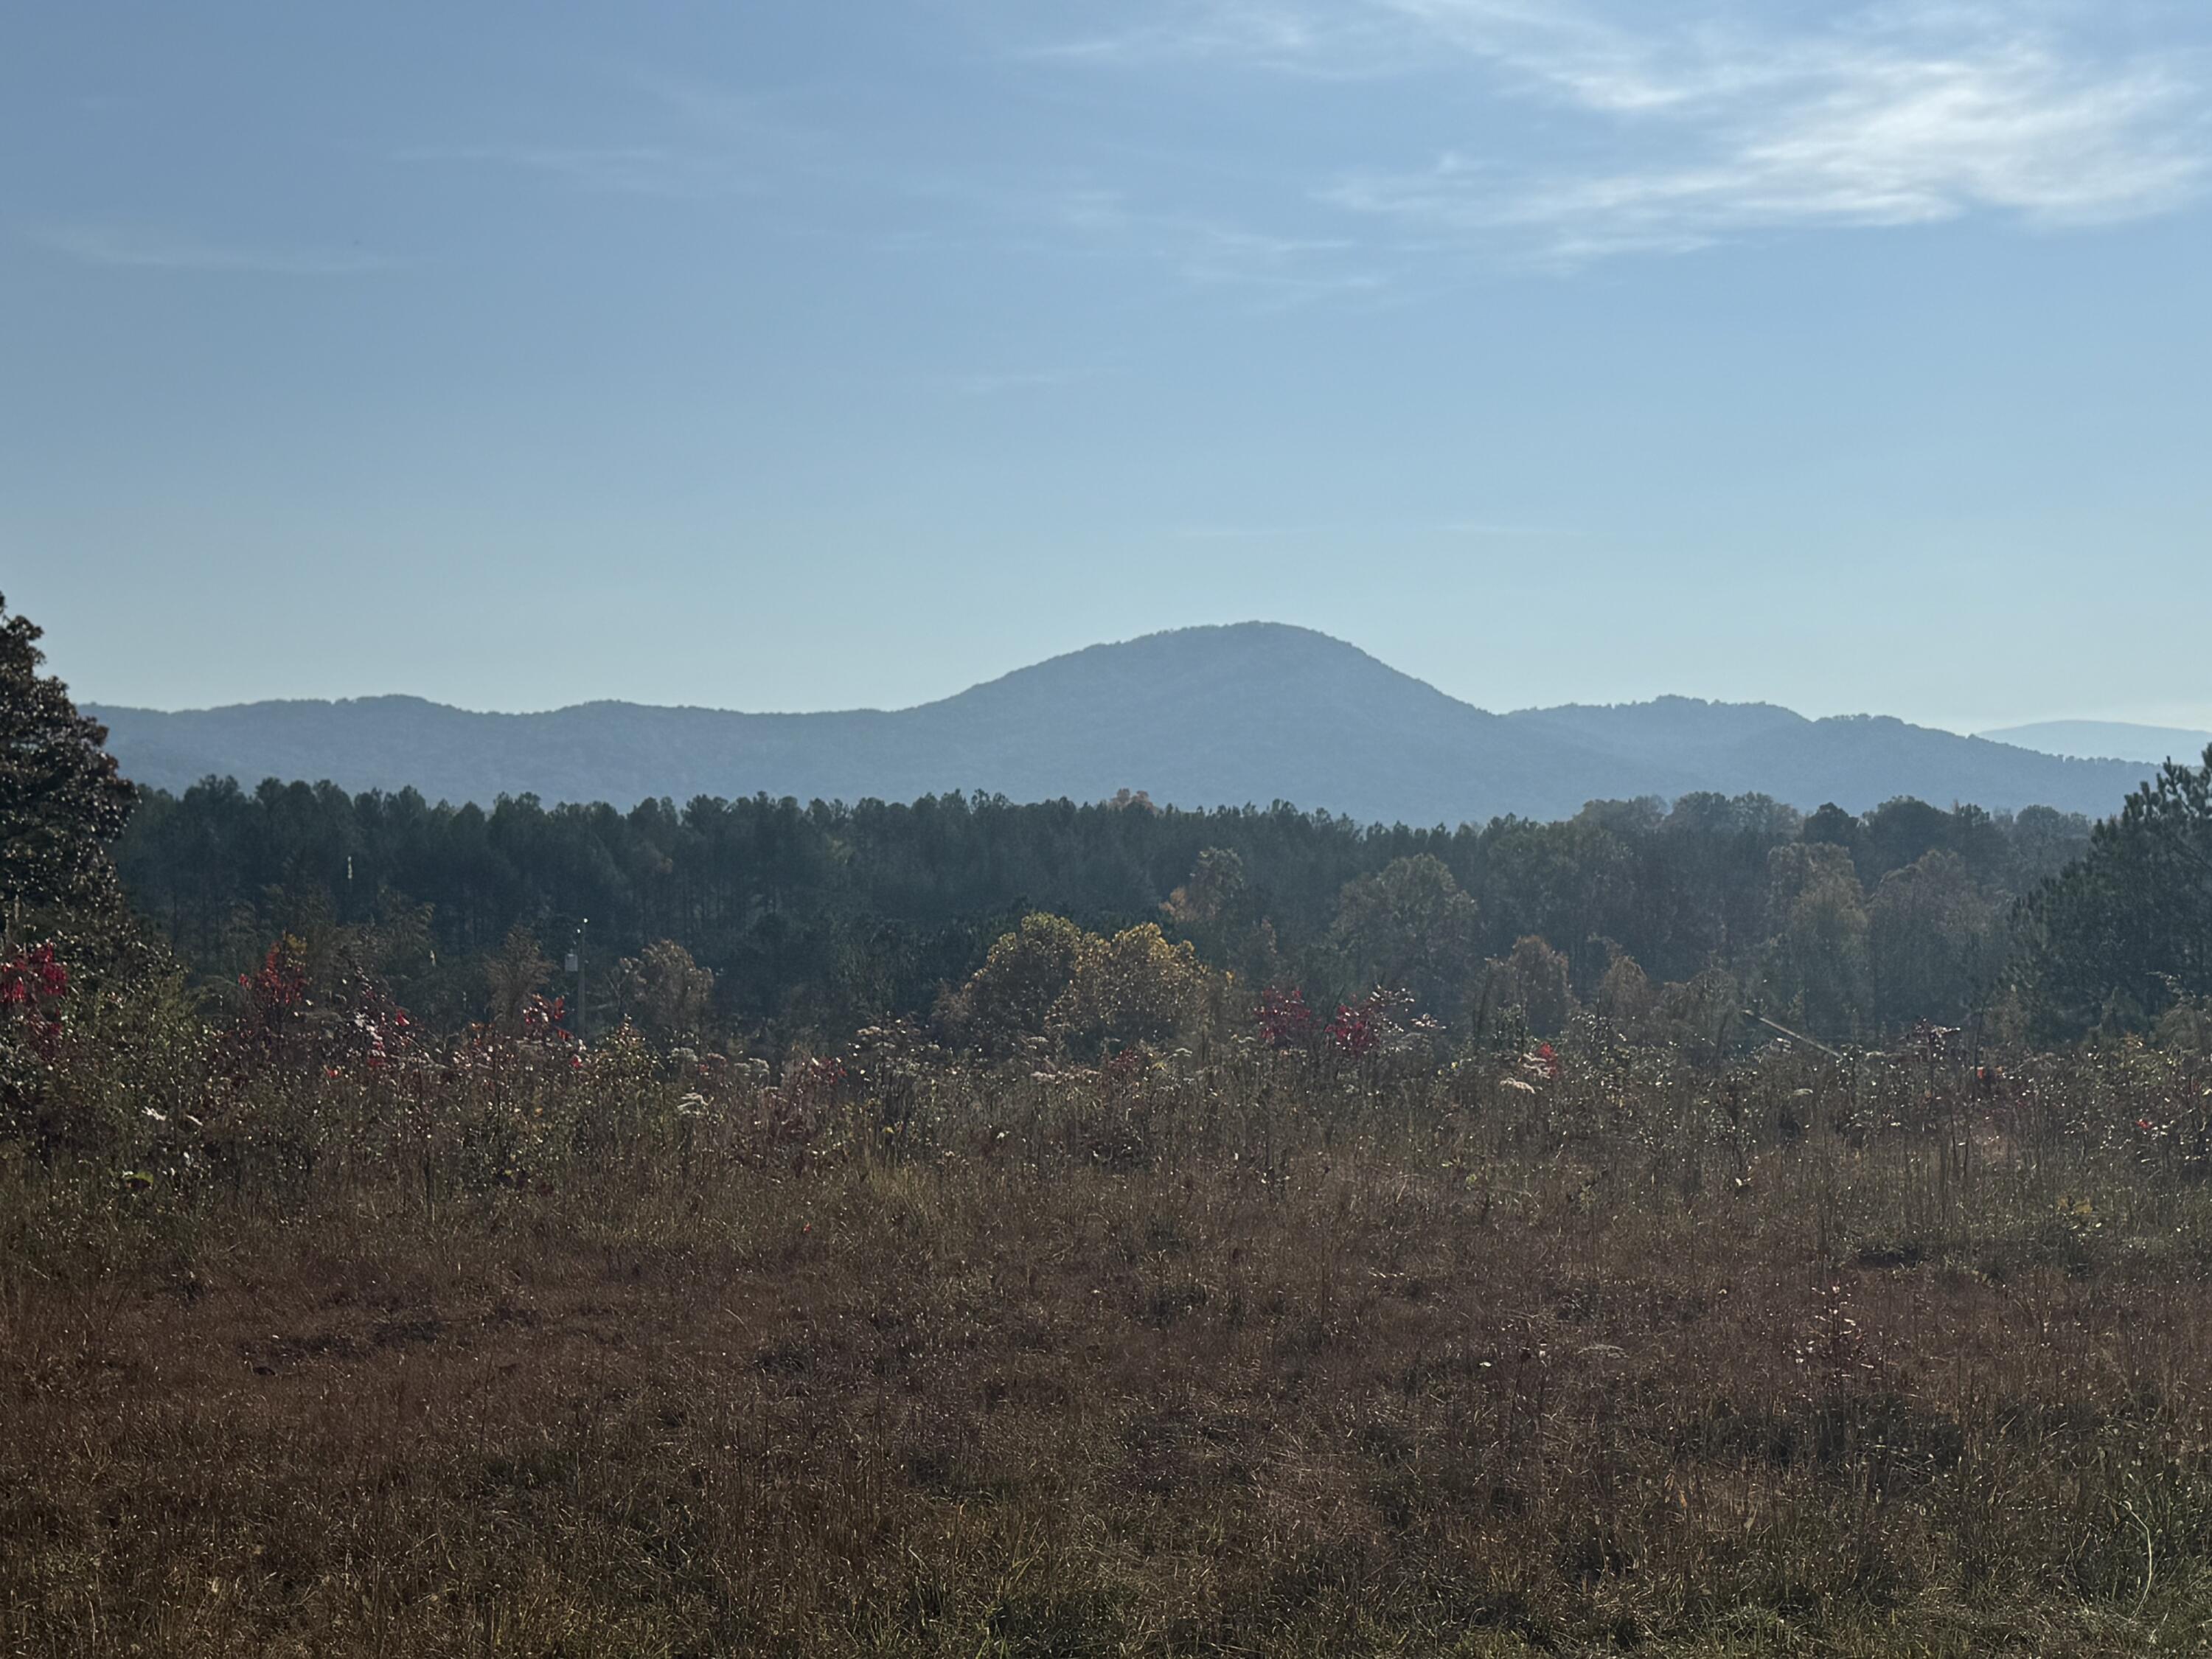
[575,965]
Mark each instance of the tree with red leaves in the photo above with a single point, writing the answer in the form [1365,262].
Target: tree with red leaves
[1355,1032]
[1284,1020]
[33,985]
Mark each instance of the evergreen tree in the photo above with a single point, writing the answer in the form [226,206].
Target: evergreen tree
[2126,930]
[61,800]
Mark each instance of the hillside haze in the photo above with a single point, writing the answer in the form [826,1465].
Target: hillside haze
[2116,739]
[1254,713]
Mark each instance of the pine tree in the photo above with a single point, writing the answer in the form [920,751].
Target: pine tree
[2122,933]
[61,800]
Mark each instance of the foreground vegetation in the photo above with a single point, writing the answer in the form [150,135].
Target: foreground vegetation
[523,1349]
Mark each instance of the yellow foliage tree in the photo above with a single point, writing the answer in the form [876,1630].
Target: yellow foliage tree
[1050,978]
[665,992]
[1135,987]
[1013,994]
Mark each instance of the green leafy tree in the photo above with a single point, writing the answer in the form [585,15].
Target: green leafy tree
[61,800]
[1541,987]
[2040,843]
[1933,942]
[1218,910]
[1409,927]
[1834,827]
[1901,832]
[1626,997]
[1704,1014]
[1814,965]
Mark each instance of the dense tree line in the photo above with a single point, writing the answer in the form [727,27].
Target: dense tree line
[826,916]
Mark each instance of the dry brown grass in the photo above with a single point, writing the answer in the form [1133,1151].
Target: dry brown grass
[1229,1362]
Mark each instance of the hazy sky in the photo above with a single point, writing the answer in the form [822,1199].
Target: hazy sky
[1849,355]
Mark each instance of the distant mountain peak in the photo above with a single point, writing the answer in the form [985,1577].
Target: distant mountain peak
[1213,648]
[1228,714]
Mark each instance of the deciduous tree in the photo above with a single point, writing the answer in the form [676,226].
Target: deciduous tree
[1409,927]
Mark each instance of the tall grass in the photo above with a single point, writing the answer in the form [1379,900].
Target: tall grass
[1220,1351]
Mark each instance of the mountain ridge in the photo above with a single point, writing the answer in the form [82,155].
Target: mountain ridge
[1249,713]
[2107,740]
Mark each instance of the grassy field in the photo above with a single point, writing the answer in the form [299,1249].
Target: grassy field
[1226,1353]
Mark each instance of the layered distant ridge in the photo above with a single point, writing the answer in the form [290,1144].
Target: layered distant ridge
[1251,713]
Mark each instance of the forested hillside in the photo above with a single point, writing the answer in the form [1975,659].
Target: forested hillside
[823,918]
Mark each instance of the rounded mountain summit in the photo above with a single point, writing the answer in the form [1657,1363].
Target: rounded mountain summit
[1249,714]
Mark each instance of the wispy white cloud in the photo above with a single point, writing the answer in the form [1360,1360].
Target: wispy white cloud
[140,247]
[1552,133]
[1718,120]
[1861,134]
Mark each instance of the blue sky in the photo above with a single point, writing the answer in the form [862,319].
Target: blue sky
[1853,357]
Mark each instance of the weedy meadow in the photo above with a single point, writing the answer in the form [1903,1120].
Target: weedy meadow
[1265,1344]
